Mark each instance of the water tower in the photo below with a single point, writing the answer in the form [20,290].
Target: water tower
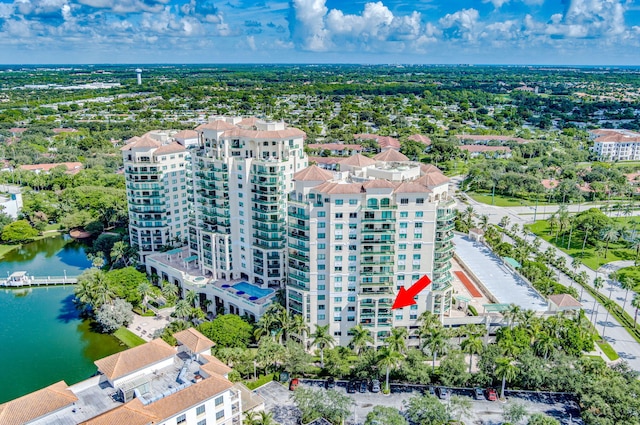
[139,74]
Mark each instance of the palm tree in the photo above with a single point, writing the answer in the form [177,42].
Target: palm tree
[388,358]
[360,338]
[183,309]
[264,325]
[635,302]
[544,345]
[436,343]
[513,314]
[397,340]
[117,252]
[484,222]
[250,418]
[610,234]
[627,283]
[472,345]
[265,418]
[192,297]
[635,245]
[102,293]
[298,326]
[468,215]
[506,368]
[144,288]
[587,229]
[169,290]
[322,339]
[575,264]
[598,282]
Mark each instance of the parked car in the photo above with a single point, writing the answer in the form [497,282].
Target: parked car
[294,384]
[375,386]
[432,391]
[352,386]
[478,393]
[363,386]
[330,383]
[443,392]
[492,395]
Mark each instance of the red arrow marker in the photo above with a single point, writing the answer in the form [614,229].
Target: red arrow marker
[405,296]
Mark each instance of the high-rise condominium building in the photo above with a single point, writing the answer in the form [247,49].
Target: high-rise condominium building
[155,168]
[242,172]
[356,236]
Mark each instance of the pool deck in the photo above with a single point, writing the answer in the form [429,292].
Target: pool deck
[504,284]
[227,286]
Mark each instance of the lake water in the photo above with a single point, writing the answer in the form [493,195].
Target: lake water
[43,338]
[47,257]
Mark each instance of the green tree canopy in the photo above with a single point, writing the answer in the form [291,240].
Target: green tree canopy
[228,330]
[381,415]
[18,231]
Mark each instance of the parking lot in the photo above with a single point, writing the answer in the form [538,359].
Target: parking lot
[562,407]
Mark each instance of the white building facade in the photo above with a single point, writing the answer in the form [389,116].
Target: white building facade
[355,238]
[155,169]
[616,145]
[242,172]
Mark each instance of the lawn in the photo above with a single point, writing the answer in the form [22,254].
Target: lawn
[634,273]
[128,338]
[503,201]
[617,250]
[608,350]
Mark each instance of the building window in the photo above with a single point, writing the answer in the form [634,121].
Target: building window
[417,246]
[420,201]
[181,419]
[353,215]
[202,422]
[321,225]
[219,401]
[419,213]
[220,415]
[321,235]
[404,201]
[338,215]
[418,225]
[321,214]
[321,316]
[200,410]
[402,246]
[404,214]
[339,201]
[403,225]
[353,201]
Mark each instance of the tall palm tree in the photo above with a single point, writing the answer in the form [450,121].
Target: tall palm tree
[322,339]
[544,345]
[265,418]
[484,222]
[265,325]
[388,358]
[472,345]
[144,288]
[587,228]
[635,245]
[598,283]
[627,283]
[506,368]
[635,302]
[575,264]
[397,341]
[610,234]
[513,314]
[468,215]
[436,343]
[117,252]
[360,338]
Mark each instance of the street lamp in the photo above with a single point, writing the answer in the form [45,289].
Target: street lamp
[65,276]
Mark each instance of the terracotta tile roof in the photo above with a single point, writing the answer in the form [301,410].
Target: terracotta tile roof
[313,173]
[128,361]
[214,366]
[378,184]
[264,134]
[412,187]
[549,183]
[385,142]
[358,160]
[429,168]
[217,125]
[325,159]
[72,167]
[482,148]
[186,134]
[490,137]
[339,188]
[17,130]
[36,404]
[248,122]
[433,179]
[616,136]
[145,141]
[564,300]
[173,147]
[64,130]
[123,415]
[390,155]
[193,340]
[420,138]
[182,400]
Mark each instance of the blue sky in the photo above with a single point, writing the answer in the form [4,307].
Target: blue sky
[589,32]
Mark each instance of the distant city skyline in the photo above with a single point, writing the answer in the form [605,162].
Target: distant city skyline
[553,32]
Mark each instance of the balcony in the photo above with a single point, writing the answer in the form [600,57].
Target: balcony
[269,238]
[298,256]
[444,248]
[299,237]
[377,241]
[445,226]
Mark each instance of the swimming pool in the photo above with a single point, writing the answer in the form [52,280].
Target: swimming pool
[252,290]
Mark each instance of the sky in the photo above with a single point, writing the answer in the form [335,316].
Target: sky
[556,32]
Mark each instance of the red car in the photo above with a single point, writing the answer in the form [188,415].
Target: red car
[294,384]
[491,394]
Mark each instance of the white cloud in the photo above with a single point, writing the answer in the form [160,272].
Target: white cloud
[251,42]
[376,28]
[589,18]
[461,24]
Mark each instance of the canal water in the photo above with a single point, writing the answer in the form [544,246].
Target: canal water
[43,338]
